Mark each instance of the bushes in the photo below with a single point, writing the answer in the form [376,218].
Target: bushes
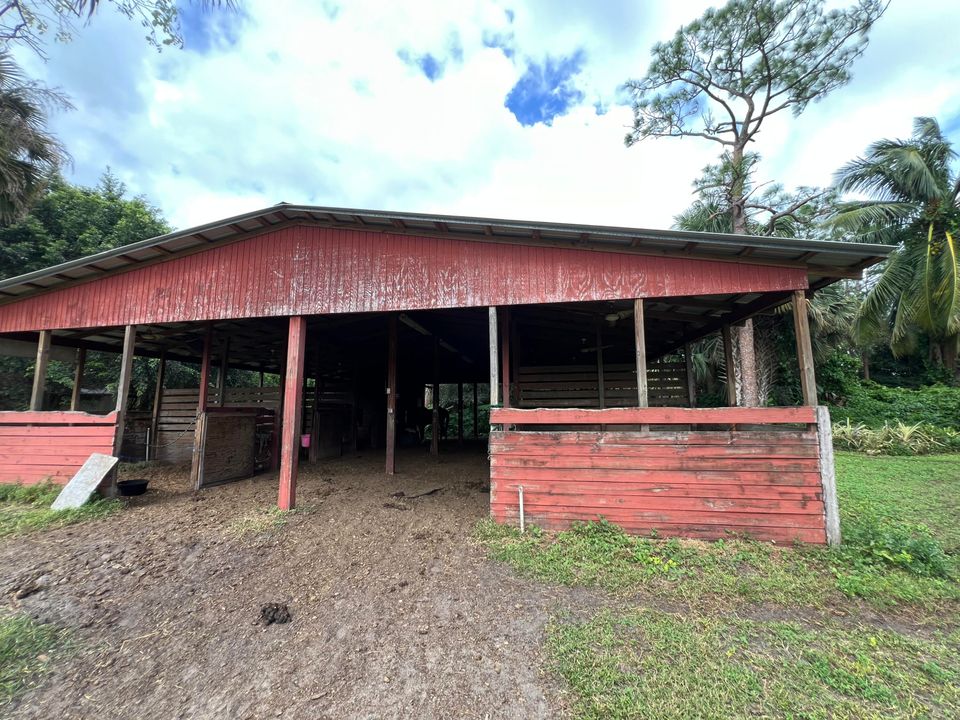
[911,548]
[875,405]
[895,439]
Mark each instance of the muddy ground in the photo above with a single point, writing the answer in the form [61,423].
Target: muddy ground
[395,610]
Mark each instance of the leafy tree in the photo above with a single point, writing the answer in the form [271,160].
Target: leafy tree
[723,75]
[28,151]
[28,21]
[70,221]
[913,190]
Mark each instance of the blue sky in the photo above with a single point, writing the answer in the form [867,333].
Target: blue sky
[481,107]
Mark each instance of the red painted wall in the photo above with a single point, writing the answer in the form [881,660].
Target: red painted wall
[314,270]
[692,484]
[36,446]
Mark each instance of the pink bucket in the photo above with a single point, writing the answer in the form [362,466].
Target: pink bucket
[305,440]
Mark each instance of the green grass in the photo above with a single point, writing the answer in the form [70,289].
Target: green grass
[898,517]
[651,664]
[25,651]
[26,508]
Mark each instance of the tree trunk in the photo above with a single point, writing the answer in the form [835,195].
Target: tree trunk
[865,362]
[949,354]
[744,334]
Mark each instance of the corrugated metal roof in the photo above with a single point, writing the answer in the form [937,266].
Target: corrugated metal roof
[825,261]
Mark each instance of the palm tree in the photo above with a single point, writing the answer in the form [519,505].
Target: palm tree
[29,153]
[913,202]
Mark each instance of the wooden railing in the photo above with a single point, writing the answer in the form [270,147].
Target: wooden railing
[35,446]
[654,416]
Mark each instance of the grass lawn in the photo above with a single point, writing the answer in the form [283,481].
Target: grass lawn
[870,630]
[26,647]
[25,508]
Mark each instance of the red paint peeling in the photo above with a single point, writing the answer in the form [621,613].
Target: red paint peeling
[312,270]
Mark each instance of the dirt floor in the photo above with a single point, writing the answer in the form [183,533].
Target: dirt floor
[395,611]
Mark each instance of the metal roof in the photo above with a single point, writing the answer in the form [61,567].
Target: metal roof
[825,261]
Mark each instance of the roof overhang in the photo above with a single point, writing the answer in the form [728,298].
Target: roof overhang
[824,261]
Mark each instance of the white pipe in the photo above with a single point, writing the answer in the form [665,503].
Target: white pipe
[520,491]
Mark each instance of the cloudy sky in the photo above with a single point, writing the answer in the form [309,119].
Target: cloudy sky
[501,108]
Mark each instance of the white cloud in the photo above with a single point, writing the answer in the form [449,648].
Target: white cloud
[311,106]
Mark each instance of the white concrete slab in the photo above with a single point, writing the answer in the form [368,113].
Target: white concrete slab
[82,485]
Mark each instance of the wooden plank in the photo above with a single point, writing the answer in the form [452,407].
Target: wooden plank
[292,408]
[392,395]
[809,480]
[828,477]
[646,462]
[40,370]
[668,486]
[157,403]
[771,436]
[664,451]
[808,381]
[55,417]
[690,378]
[494,359]
[661,502]
[640,348]
[505,356]
[654,416]
[203,393]
[123,391]
[78,379]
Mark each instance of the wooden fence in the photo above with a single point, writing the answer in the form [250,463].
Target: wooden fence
[36,446]
[762,472]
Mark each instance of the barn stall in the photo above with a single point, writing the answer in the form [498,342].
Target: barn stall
[579,335]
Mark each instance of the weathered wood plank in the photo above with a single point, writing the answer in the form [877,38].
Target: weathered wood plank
[654,416]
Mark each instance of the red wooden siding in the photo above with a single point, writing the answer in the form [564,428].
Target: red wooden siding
[654,416]
[313,270]
[35,446]
[696,484]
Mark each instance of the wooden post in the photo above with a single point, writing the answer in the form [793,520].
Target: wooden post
[158,399]
[391,396]
[505,357]
[278,419]
[808,380]
[691,380]
[729,364]
[314,450]
[78,379]
[200,429]
[640,346]
[831,508]
[222,375]
[460,413]
[435,418]
[476,413]
[261,378]
[601,389]
[494,359]
[123,386]
[292,412]
[40,370]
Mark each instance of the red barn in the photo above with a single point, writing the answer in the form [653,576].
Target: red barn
[580,333]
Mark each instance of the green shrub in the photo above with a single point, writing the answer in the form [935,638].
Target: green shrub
[911,548]
[895,439]
[875,405]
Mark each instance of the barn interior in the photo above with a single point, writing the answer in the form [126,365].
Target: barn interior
[557,355]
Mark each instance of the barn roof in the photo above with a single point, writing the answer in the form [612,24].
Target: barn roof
[824,261]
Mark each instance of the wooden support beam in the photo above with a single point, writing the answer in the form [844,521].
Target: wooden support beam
[730,368]
[640,345]
[505,357]
[222,374]
[476,412]
[40,370]
[691,380]
[460,413]
[391,396]
[828,479]
[801,325]
[494,359]
[435,415]
[292,412]
[123,385]
[200,428]
[78,378]
[157,399]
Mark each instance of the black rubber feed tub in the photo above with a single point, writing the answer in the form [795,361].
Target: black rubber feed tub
[132,487]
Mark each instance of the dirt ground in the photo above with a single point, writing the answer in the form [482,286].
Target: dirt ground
[395,611]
